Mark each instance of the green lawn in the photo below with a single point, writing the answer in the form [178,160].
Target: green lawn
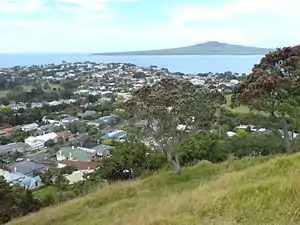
[251,191]
[239,110]
[3,93]
[29,88]
[44,191]
[242,109]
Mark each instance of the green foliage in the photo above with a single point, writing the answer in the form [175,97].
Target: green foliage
[214,148]
[139,75]
[202,146]
[77,126]
[68,170]
[129,160]
[106,141]
[15,201]
[253,144]
[241,132]
[50,143]
[92,98]
[170,102]
[61,181]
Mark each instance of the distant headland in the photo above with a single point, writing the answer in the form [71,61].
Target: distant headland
[207,48]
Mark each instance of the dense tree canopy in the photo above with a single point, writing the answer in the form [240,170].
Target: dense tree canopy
[274,80]
[15,201]
[274,86]
[170,108]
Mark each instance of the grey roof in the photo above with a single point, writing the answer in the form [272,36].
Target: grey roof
[102,149]
[30,126]
[26,167]
[47,127]
[14,147]
[70,118]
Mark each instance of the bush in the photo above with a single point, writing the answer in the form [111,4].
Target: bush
[214,148]
[253,144]
[129,160]
[201,146]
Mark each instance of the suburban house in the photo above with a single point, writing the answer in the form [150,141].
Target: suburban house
[28,182]
[8,131]
[74,154]
[77,176]
[38,142]
[116,135]
[65,135]
[45,129]
[69,119]
[88,115]
[80,158]
[13,148]
[26,167]
[29,127]
[109,120]
[95,123]
[70,155]
[102,150]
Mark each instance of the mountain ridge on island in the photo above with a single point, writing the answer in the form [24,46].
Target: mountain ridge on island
[206,48]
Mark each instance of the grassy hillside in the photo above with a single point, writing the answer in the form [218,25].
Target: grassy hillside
[251,191]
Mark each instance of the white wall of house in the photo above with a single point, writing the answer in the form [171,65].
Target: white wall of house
[77,176]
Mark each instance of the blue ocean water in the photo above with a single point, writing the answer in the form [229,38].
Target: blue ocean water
[175,63]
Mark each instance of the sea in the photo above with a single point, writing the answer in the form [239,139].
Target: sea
[175,63]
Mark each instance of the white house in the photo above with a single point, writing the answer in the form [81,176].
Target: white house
[39,141]
[69,119]
[30,127]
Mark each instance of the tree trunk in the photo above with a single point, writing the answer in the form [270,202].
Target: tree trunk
[173,159]
[287,139]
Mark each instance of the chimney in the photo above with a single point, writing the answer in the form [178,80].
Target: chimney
[60,152]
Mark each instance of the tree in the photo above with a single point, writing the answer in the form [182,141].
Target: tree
[274,86]
[15,201]
[48,176]
[68,170]
[202,146]
[92,98]
[50,143]
[169,103]
[5,101]
[77,126]
[128,160]
[61,182]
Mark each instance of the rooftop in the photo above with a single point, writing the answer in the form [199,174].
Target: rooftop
[13,147]
[76,153]
[80,165]
[26,167]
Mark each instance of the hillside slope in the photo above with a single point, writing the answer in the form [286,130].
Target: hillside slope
[251,191]
[207,48]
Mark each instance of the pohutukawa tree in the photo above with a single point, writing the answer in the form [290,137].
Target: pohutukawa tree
[274,86]
[172,107]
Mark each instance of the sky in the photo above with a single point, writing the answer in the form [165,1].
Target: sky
[29,26]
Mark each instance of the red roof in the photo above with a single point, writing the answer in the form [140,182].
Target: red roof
[64,134]
[80,165]
[8,130]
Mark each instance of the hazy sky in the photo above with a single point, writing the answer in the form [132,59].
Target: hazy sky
[120,25]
